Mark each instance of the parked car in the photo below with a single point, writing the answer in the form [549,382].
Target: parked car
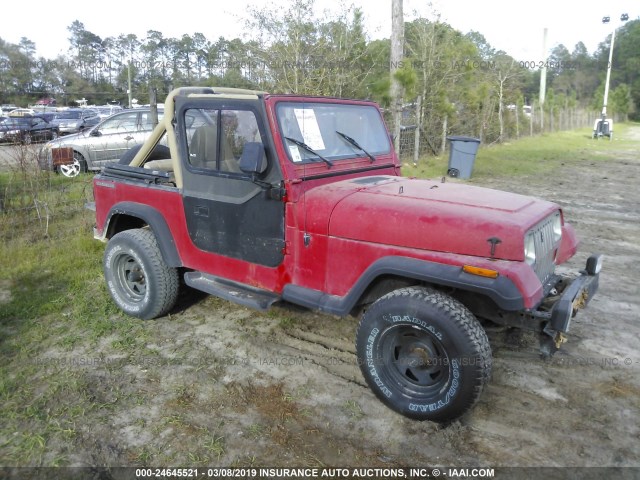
[22,112]
[102,144]
[7,107]
[38,109]
[27,130]
[75,120]
[105,111]
[48,102]
[49,115]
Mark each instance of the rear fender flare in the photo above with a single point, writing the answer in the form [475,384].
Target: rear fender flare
[154,219]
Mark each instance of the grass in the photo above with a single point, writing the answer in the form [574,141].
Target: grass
[529,155]
[215,446]
[53,302]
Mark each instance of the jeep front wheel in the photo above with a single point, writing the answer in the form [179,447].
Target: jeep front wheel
[137,277]
[423,354]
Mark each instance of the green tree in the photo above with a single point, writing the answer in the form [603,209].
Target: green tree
[620,102]
[288,45]
[506,76]
[626,63]
[156,52]
[16,72]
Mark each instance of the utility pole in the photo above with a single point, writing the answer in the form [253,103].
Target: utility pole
[606,82]
[603,125]
[397,51]
[416,138]
[543,78]
[153,103]
[129,90]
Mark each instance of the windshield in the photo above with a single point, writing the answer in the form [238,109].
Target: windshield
[16,121]
[324,130]
[107,110]
[67,115]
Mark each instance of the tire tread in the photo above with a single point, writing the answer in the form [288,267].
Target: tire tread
[465,322]
[167,277]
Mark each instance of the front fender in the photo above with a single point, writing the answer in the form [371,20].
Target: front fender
[501,289]
[568,244]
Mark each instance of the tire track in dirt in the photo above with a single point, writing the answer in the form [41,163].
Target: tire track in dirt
[335,358]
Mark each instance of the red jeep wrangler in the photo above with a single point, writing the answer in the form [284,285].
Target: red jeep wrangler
[262,198]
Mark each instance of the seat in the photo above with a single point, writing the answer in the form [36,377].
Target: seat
[163,165]
[203,150]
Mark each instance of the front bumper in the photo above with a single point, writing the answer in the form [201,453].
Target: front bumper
[573,295]
[576,295]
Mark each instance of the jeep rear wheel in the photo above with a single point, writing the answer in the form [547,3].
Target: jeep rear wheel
[137,277]
[423,354]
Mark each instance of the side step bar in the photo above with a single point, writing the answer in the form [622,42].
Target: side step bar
[232,291]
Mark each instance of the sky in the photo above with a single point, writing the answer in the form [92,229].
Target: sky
[507,25]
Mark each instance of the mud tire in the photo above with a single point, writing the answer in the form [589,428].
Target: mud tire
[138,279]
[423,354]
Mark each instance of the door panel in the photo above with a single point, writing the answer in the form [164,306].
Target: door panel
[226,212]
[117,135]
[246,231]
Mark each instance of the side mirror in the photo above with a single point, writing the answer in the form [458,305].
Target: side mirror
[253,159]
[95,132]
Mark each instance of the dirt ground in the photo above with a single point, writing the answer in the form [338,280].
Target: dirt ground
[218,384]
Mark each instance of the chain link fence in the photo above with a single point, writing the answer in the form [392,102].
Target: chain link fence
[36,204]
[426,137]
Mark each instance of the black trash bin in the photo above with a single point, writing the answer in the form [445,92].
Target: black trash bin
[462,156]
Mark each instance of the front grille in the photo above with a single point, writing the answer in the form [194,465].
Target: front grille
[545,248]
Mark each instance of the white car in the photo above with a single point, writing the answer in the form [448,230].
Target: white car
[105,111]
[22,112]
[102,144]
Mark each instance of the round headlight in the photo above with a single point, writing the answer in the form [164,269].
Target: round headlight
[557,228]
[529,249]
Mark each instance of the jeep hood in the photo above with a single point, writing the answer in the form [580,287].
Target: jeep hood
[424,214]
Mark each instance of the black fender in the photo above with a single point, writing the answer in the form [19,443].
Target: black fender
[156,222]
[501,290]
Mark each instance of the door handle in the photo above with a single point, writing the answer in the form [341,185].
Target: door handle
[201,211]
[128,138]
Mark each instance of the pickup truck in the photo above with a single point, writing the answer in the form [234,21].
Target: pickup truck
[262,198]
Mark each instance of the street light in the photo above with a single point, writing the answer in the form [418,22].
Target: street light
[603,125]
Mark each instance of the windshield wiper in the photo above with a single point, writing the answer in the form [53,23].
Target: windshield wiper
[357,145]
[310,150]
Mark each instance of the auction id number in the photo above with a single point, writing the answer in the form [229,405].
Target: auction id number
[194,472]
[166,472]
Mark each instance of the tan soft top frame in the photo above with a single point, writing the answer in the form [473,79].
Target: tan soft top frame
[166,125]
